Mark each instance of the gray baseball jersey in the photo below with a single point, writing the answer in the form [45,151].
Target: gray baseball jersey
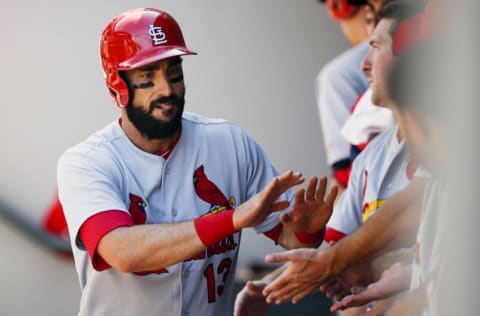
[381,170]
[108,172]
[338,85]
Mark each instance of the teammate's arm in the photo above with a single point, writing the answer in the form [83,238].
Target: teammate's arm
[155,246]
[310,267]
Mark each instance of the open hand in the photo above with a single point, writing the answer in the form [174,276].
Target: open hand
[307,269]
[311,211]
[254,211]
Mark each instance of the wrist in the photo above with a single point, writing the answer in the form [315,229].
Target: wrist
[213,228]
[310,238]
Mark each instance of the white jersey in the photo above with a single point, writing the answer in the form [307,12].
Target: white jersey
[108,172]
[338,85]
[378,172]
[428,241]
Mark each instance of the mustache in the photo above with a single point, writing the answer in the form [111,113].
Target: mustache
[174,99]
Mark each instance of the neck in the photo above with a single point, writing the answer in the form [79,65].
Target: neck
[152,146]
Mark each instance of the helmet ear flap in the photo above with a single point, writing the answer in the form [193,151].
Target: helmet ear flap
[118,89]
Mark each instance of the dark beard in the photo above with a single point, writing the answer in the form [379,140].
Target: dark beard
[149,126]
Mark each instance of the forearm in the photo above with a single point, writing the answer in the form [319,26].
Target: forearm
[149,247]
[393,225]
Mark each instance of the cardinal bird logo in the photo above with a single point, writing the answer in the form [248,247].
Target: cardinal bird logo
[137,209]
[210,193]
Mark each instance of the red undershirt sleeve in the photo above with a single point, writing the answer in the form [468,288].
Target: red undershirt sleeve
[274,233]
[97,226]
[332,235]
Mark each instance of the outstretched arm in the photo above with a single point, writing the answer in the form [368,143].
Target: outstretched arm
[309,268]
[149,247]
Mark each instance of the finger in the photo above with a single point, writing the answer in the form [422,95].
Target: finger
[341,294]
[280,184]
[279,205]
[279,288]
[357,289]
[255,287]
[327,284]
[299,197]
[275,285]
[322,187]
[338,306]
[284,293]
[333,290]
[312,186]
[356,300]
[290,178]
[332,195]
[300,296]
[280,256]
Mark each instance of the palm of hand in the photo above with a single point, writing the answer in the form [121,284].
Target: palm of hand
[311,211]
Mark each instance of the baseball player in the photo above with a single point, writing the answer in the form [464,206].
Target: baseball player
[339,84]
[155,201]
[415,87]
[381,170]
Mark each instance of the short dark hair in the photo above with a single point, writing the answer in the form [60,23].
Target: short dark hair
[398,10]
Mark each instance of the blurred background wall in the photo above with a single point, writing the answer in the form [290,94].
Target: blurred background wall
[256,66]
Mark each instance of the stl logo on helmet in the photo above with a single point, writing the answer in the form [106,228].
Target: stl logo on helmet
[157,34]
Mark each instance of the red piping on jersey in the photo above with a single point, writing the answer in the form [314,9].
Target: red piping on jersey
[166,153]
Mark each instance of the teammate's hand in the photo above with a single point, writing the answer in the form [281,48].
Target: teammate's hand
[254,211]
[354,277]
[311,211]
[306,271]
[393,280]
[250,300]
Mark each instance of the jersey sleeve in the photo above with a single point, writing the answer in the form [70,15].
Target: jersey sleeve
[260,172]
[347,214]
[97,226]
[88,183]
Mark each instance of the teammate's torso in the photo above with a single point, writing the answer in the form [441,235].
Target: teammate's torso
[380,171]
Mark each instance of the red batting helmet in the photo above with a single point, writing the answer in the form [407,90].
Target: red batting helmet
[136,38]
[340,9]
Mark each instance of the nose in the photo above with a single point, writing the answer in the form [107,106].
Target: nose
[367,62]
[162,84]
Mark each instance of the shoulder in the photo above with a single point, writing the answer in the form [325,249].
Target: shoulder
[201,124]
[374,149]
[94,150]
[346,64]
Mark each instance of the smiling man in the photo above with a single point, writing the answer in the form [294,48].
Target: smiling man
[156,200]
